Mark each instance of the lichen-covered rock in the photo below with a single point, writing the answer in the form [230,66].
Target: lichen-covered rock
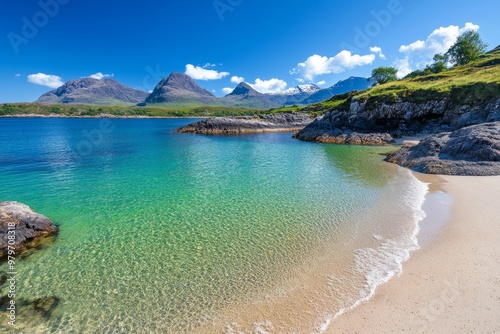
[473,150]
[280,122]
[27,226]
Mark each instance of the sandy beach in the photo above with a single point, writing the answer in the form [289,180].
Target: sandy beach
[452,284]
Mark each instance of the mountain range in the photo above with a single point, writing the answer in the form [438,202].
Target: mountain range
[341,87]
[294,95]
[180,90]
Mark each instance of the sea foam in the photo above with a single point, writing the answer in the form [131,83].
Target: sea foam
[379,264]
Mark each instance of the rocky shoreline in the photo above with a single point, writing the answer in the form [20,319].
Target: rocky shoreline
[22,228]
[338,136]
[472,151]
[398,119]
[281,122]
[462,139]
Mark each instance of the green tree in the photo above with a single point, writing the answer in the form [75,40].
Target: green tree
[468,47]
[383,75]
[438,66]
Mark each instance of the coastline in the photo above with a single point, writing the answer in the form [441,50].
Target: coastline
[452,283]
[101,116]
[245,131]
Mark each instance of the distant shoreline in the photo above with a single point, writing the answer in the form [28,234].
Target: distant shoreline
[98,116]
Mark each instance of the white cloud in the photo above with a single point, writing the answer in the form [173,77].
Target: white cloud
[17,75]
[321,83]
[269,86]
[300,80]
[377,50]
[318,65]
[150,91]
[48,80]
[227,90]
[100,76]
[419,54]
[235,79]
[209,65]
[415,46]
[439,41]
[200,73]
[403,67]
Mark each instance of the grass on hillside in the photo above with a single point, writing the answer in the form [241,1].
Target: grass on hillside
[472,83]
[92,110]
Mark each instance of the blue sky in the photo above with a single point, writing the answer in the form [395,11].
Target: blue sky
[273,45]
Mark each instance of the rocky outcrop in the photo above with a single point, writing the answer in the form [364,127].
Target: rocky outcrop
[337,136]
[26,227]
[401,118]
[282,122]
[473,150]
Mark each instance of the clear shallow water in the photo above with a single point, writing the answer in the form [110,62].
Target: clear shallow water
[169,233]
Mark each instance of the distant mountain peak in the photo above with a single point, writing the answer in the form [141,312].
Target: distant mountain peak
[245,95]
[93,91]
[177,80]
[180,87]
[245,89]
[309,88]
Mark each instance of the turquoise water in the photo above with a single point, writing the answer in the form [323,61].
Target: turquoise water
[163,232]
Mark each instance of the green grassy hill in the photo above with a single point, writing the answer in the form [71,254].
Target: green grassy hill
[468,84]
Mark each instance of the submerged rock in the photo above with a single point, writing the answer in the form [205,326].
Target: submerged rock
[350,138]
[46,305]
[473,150]
[28,227]
[282,122]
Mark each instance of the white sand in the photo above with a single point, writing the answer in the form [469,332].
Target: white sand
[452,284]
